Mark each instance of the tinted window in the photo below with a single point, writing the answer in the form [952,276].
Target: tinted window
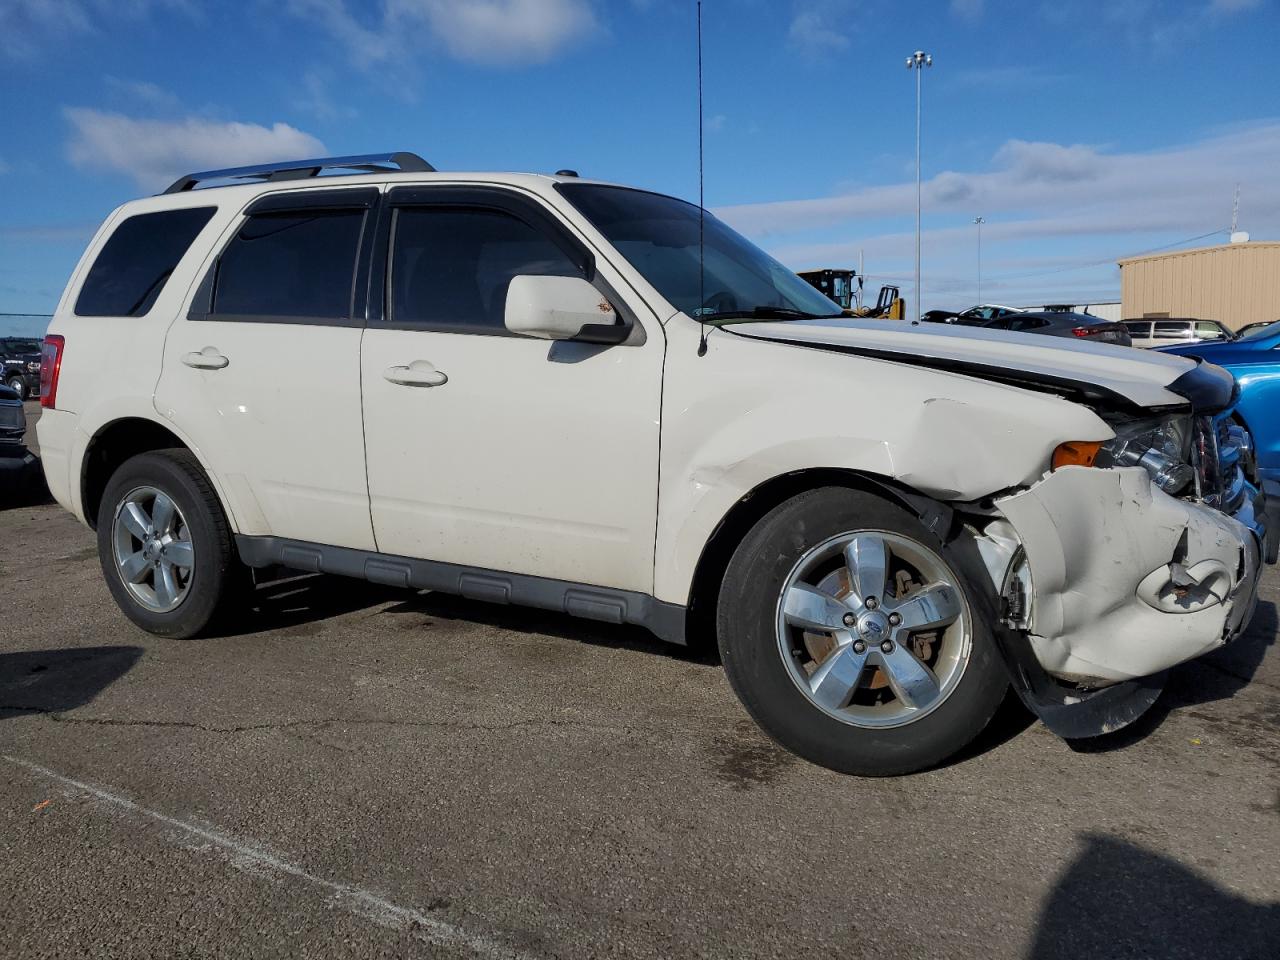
[136,261]
[290,264]
[1171,329]
[1139,328]
[451,266]
[1026,323]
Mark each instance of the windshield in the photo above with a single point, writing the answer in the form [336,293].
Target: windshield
[659,237]
[1263,331]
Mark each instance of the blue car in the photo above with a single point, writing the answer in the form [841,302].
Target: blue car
[1254,360]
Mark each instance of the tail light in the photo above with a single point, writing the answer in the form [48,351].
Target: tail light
[50,368]
[1082,331]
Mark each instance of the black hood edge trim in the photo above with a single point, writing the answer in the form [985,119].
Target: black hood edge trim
[1090,394]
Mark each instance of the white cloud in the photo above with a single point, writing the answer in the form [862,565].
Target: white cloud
[155,152]
[1063,203]
[488,32]
[819,27]
[501,32]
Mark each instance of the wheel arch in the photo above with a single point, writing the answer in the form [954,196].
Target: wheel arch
[116,441]
[746,512]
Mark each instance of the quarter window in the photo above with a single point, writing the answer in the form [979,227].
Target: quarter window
[134,264]
[296,264]
[451,266]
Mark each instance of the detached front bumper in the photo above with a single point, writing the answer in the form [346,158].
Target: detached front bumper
[1123,581]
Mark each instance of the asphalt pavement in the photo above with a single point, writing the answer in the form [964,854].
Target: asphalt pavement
[367,772]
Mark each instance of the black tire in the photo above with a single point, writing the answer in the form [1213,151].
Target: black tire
[746,629]
[18,386]
[218,584]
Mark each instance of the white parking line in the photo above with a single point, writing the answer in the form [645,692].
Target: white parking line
[354,899]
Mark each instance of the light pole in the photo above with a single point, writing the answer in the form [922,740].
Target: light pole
[979,221]
[917,62]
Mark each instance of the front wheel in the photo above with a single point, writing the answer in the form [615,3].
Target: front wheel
[165,546]
[856,638]
[18,386]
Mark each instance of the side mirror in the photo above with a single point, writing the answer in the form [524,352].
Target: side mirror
[561,308]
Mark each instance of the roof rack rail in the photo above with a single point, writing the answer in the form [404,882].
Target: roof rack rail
[302,169]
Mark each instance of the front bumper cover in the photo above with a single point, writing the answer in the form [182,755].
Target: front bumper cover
[1126,582]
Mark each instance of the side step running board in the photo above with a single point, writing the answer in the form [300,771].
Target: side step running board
[664,620]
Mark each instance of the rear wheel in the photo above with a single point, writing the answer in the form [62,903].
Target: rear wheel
[856,637]
[165,546]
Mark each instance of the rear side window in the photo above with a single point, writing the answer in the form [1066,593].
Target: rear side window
[1172,329]
[296,264]
[1026,323]
[451,266]
[135,262]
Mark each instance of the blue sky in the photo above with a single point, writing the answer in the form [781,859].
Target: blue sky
[1081,131]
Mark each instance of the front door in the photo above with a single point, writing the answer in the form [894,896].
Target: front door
[499,451]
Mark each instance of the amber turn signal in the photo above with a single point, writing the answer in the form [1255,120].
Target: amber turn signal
[1076,453]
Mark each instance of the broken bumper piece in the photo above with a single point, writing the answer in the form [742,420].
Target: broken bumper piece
[1127,581]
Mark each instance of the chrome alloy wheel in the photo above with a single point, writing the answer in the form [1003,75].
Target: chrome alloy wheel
[152,549]
[874,628]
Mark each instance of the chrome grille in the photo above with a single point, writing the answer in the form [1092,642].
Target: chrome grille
[1218,457]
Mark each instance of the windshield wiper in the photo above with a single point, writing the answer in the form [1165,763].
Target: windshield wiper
[765,313]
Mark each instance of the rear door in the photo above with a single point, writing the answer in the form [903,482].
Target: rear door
[498,451]
[263,370]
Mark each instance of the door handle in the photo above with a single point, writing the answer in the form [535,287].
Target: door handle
[207,359]
[420,373]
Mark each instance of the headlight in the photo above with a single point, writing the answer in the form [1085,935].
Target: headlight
[33,366]
[1161,447]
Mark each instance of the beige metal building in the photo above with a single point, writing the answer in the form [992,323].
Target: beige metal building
[1236,283]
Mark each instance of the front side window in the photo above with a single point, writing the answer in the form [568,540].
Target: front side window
[451,266]
[1208,331]
[296,264]
[659,237]
[131,270]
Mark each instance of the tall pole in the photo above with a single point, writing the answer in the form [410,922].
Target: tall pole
[917,62]
[979,221]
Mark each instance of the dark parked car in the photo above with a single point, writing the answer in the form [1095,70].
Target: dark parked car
[1083,326]
[18,466]
[20,365]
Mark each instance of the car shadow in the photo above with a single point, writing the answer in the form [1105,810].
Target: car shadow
[594,633]
[25,488]
[1118,900]
[53,681]
[1217,676]
[286,599]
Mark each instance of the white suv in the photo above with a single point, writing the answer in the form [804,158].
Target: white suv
[566,394]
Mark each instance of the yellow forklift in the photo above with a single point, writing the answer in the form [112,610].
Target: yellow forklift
[845,288]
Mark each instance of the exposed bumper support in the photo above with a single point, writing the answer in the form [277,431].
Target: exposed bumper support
[1125,582]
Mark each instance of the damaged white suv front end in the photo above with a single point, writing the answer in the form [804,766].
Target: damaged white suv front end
[1144,559]
[1114,556]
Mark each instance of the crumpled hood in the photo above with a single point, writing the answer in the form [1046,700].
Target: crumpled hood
[1139,377]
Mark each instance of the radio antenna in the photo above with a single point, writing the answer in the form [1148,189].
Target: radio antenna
[702,268]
